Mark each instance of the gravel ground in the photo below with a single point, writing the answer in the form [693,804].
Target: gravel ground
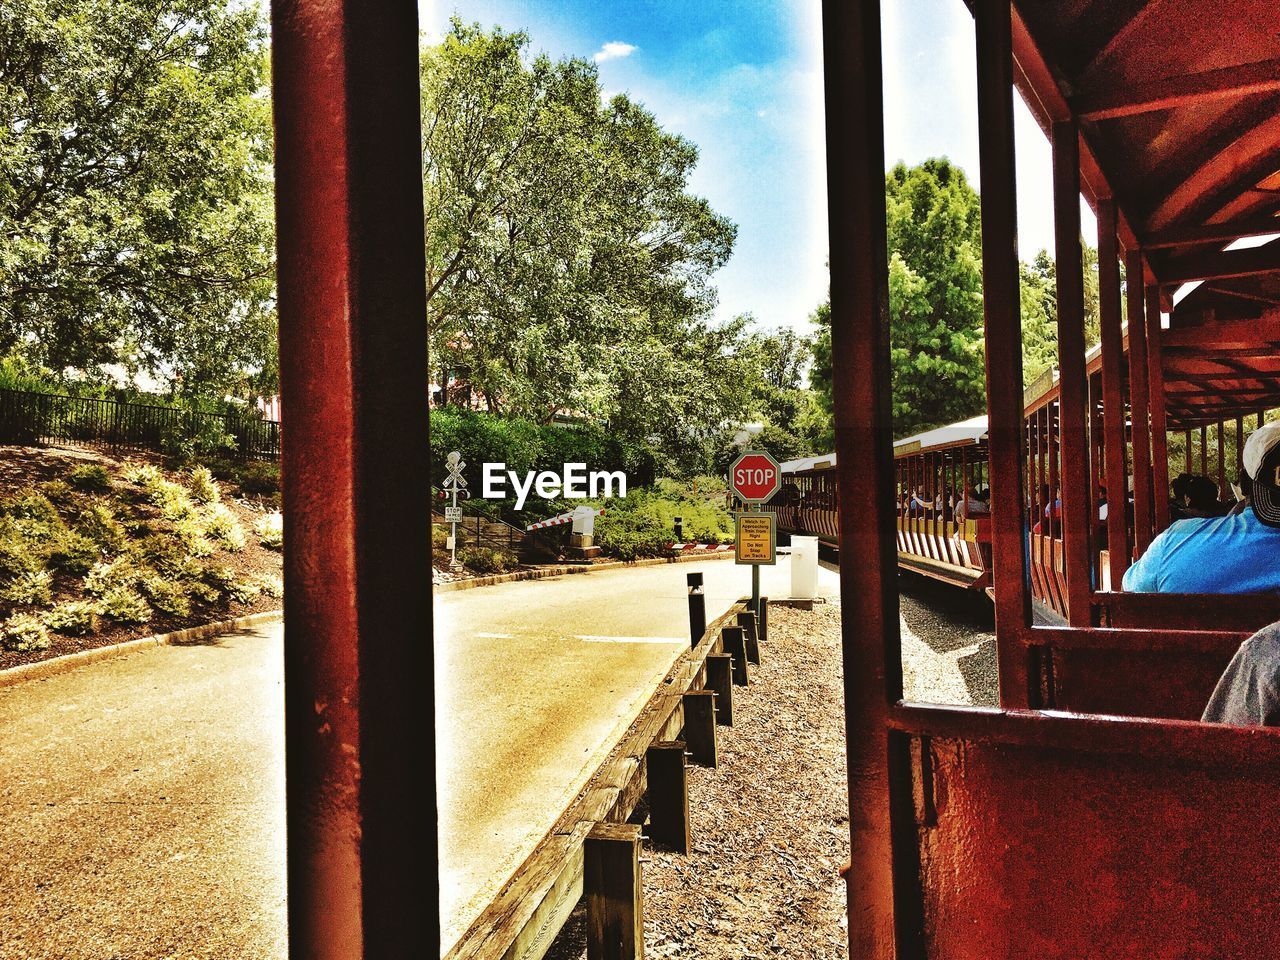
[948,644]
[770,825]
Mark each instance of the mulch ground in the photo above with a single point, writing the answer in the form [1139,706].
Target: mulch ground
[770,824]
[23,468]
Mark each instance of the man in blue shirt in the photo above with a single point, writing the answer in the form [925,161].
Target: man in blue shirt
[1238,553]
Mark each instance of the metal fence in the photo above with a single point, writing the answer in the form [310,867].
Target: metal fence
[40,418]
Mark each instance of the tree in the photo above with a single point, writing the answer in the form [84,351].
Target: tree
[135,189]
[568,266]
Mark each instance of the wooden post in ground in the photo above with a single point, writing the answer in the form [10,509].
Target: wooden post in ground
[697,608]
[668,796]
[735,644]
[720,680]
[612,887]
[747,621]
[762,620]
[700,726]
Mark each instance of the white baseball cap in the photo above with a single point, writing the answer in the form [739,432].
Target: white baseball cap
[1261,458]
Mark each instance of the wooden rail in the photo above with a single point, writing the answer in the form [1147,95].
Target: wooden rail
[526,916]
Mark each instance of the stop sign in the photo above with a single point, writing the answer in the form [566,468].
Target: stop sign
[755,476]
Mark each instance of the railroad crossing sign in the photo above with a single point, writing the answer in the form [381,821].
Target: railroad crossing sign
[755,476]
[455,483]
[756,539]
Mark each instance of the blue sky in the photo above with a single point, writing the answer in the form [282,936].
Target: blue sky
[743,80]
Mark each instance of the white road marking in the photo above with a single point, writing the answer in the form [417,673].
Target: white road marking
[599,639]
[495,636]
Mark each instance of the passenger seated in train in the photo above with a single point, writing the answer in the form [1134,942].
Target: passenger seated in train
[1194,495]
[972,505]
[1051,512]
[1248,693]
[1236,553]
[919,506]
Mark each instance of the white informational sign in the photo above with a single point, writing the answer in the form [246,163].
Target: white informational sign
[452,514]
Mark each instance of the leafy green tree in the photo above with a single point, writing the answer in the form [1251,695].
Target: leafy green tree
[568,265]
[135,189]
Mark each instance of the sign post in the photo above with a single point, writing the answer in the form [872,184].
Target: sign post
[454,484]
[755,477]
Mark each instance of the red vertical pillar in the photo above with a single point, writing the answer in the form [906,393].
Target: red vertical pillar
[1139,387]
[1071,368]
[878,765]
[1002,316]
[1113,405]
[360,755]
[1155,385]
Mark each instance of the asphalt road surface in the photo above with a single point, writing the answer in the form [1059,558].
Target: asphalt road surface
[142,798]
[538,679]
[142,807]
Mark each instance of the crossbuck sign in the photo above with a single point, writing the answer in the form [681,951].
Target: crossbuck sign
[455,484]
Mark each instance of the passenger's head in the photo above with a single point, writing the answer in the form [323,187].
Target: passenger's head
[1262,465]
[1181,488]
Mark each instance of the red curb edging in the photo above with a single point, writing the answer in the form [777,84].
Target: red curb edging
[43,669]
[559,571]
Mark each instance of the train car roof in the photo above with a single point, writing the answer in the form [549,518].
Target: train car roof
[964,433]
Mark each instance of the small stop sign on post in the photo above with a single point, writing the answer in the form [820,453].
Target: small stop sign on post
[755,476]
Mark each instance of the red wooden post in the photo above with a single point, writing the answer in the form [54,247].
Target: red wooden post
[359,707]
[1222,465]
[1204,451]
[1155,384]
[1140,411]
[1113,406]
[1076,507]
[1187,440]
[1003,330]
[1239,446]
[879,775]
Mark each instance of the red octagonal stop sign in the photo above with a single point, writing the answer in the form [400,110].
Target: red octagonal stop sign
[755,476]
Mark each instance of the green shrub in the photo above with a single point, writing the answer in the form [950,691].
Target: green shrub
[172,500]
[487,560]
[259,479]
[91,478]
[203,488]
[73,553]
[219,577]
[28,588]
[23,633]
[75,618]
[270,531]
[143,475]
[439,537]
[196,438]
[166,595]
[190,532]
[204,592]
[100,525]
[221,526]
[106,576]
[166,555]
[125,605]
[35,516]
[243,590]
[271,586]
[58,492]
[16,554]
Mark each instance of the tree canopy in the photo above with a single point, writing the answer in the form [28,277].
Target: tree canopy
[935,302]
[568,264]
[135,190]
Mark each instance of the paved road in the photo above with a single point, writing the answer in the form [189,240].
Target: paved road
[567,662]
[141,799]
[142,807]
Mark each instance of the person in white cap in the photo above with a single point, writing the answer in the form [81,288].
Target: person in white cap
[1238,553]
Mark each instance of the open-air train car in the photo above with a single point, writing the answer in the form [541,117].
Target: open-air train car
[1092,814]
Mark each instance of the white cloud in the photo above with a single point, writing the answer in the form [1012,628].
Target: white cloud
[614,50]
